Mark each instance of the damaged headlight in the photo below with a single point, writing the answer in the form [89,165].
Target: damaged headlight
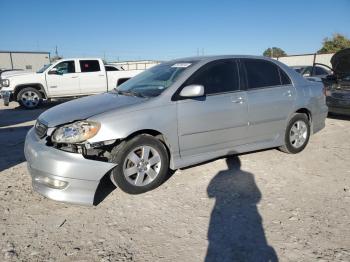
[76,132]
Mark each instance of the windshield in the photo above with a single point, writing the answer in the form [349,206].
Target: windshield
[43,68]
[155,80]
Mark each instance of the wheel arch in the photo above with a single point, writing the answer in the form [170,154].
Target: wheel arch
[157,134]
[305,111]
[37,86]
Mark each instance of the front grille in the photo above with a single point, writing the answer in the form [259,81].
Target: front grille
[40,129]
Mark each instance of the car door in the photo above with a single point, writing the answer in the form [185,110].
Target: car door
[218,120]
[63,79]
[271,98]
[92,77]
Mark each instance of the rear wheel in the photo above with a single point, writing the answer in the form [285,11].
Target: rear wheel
[143,164]
[29,98]
[297,134]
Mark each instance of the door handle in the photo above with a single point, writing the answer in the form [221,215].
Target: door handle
[238,100]
[101,75]
[74,77]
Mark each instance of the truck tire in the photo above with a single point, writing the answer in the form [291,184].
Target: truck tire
[143,164]
[297,134]
[29,98]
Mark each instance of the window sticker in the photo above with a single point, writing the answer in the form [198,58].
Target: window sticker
[181,65]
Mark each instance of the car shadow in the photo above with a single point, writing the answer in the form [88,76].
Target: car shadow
[18,115]
[15,122]
[12,144]
[235,230]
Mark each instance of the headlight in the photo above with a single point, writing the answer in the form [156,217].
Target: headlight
[76,132]
[5,83]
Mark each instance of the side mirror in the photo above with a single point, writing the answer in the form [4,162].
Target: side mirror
[192,91]
[54,71]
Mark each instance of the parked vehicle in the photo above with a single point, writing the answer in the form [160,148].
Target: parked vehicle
[173,115]
[66,78]
[313,73]
[338,84]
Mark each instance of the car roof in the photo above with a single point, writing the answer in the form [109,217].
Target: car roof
[217,57]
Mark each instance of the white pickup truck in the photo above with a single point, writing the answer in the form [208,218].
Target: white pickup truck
[63,79]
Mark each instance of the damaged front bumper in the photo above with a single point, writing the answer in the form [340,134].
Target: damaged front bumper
[63,176]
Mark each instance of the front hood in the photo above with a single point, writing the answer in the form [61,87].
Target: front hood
[341,62]
[16,73]
[86,107]
[21,76]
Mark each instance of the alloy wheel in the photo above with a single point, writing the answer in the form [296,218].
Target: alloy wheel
[142,165]
[298,134]
[30,99]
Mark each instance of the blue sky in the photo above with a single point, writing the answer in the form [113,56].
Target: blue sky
[163,30]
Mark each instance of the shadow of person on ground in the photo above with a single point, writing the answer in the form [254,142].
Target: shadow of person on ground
[235,230]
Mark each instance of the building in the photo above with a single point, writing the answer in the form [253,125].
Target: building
[30,61]
[306,59]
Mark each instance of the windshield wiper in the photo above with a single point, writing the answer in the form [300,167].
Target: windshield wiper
[130,93]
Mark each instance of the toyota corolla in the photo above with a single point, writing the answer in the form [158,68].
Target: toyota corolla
[176,114]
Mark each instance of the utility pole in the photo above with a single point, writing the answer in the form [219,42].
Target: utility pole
[56,52]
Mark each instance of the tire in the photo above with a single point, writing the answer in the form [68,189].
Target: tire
[136,173]
[29,98]
[297,134]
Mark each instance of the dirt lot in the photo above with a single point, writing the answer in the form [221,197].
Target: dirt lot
[255,207]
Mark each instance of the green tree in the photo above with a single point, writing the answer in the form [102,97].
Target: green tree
[334,44]
[274,52]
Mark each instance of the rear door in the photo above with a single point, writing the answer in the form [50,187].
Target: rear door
[271,98]
[65,82]
[92,76]
[217,121]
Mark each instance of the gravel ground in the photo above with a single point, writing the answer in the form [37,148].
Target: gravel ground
[254,207]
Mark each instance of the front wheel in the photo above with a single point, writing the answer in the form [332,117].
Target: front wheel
[297,134]
[29,98]
[143,164]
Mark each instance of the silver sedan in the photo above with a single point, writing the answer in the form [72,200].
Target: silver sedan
[174,115]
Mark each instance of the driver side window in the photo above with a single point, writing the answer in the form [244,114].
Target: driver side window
[65,67]
[217,77]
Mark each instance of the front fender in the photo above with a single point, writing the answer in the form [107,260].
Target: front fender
[120,126]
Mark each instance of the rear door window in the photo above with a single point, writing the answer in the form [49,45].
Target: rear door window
[285,80]
[217,77]
[89,66]
[261,73]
